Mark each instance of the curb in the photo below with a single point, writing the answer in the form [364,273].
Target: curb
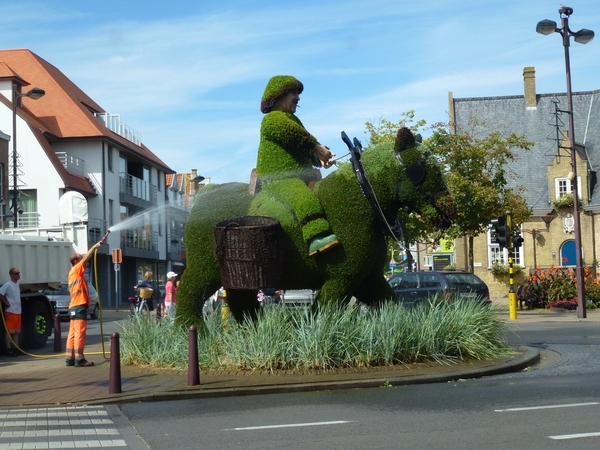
[527,357]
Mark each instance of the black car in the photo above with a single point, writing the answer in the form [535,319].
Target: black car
[413,287]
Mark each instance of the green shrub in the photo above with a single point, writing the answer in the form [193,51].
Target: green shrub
[553,287]
[592,293]
[504,269]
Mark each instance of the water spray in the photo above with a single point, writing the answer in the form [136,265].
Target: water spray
[104,238]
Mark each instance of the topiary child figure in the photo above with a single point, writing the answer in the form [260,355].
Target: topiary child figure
[286,156]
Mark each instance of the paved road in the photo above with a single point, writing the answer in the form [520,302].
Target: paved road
[552,405]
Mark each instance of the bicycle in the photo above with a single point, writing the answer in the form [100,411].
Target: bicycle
[140,302]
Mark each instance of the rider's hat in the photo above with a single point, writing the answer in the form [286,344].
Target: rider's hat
[277,87]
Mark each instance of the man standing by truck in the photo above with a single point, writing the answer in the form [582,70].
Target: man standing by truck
[10,296]
[78,306]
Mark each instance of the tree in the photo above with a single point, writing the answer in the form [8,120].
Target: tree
[476,162]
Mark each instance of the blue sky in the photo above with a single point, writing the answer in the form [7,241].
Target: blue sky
[189,75]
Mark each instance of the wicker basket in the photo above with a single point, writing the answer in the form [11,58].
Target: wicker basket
[250,252]
[146,292]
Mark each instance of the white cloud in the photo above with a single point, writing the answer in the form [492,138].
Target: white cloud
[189,75]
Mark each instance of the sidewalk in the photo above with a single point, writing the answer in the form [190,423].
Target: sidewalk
[45,381]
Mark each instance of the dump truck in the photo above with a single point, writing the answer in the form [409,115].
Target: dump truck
[44,264]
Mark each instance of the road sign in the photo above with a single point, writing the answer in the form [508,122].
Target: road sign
[117,256]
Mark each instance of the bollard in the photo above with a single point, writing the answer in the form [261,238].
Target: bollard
[57,336]
[158,311]
[193,366]
[114,377]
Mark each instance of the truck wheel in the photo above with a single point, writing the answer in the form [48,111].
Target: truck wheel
[36,326]
[95,312]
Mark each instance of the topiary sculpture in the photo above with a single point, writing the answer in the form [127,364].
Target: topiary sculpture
[402,175]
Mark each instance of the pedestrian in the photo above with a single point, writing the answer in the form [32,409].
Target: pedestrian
[10,296]
[78,306]
[147,283]
[170,291]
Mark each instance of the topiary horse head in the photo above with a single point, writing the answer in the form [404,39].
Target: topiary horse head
[400,176]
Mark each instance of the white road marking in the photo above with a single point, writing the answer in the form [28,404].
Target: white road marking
[58,428]
[290,425]
[65,444]
[575,436]
[531,408]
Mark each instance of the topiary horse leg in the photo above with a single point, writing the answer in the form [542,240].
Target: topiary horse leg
[243,303]
[374,289]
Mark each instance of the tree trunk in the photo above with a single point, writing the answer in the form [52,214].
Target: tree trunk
[409,260]
[471,267]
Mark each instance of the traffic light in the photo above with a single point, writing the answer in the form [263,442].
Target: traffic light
[517,241]
[494,232]
[502,231]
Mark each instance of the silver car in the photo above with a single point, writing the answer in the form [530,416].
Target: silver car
[62,299]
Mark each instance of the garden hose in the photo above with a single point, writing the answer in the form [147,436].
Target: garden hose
[19,348]
[61,355]
[103,352]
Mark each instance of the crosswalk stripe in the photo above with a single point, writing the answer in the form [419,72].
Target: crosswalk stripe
[58,427]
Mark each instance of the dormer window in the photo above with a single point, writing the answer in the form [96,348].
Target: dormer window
[562,186]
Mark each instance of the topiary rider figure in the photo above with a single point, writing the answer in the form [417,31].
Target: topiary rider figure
[286,156]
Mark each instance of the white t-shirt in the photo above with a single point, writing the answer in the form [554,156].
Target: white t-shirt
[11,291]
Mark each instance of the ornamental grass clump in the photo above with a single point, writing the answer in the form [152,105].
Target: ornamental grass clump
[325,337]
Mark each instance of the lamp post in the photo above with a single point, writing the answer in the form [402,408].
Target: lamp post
[197,180]
[33,94]
[535,233]
[582,36]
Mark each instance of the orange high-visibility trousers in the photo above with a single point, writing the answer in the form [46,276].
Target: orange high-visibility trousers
[76,341]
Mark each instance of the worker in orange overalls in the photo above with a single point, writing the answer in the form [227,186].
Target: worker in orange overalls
[78,306]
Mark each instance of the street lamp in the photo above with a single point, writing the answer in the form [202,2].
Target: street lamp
[582,36]
[197,180]
[535,233]
[33,94]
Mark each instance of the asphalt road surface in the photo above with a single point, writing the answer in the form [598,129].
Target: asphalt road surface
[553,405]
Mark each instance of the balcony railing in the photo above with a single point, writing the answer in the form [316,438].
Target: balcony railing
[114,124]
[71,163]
[141,238]
[96,230]
[137,188]
[175,244]
[26,220]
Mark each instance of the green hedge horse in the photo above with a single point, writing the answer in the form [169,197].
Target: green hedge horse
[361,201]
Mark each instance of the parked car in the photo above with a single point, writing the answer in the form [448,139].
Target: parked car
[61,297]
[265,297]
[298,296]
[413,287]
[287,296]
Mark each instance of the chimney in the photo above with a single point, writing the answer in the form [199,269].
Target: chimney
[529,81]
